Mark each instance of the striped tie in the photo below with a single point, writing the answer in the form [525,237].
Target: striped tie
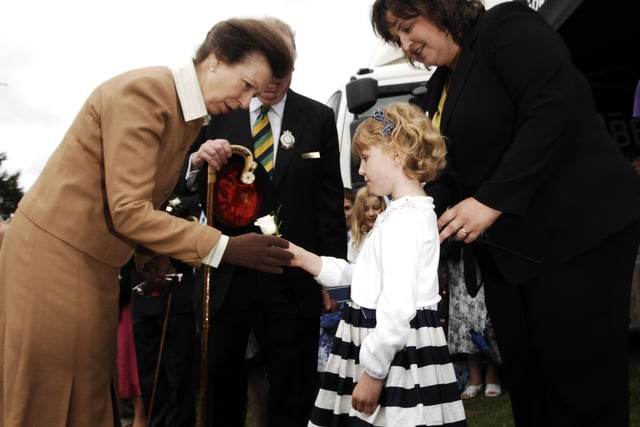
[263,140]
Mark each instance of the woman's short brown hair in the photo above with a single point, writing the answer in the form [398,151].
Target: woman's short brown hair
[233,40]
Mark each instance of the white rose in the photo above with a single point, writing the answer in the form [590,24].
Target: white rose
[267,225]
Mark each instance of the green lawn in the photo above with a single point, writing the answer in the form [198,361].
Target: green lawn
[482,411]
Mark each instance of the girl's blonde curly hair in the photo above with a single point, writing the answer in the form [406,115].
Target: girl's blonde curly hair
[405,127]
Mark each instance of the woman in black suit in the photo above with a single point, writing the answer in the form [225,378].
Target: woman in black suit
[540,191]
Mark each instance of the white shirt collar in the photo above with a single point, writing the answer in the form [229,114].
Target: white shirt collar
[278,108]
[189,93]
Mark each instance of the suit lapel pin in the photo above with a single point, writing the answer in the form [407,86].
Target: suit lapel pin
[287,140]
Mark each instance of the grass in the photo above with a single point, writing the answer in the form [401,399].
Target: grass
[483,411]
[496,411]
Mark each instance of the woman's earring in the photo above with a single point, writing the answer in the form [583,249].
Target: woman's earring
[211,68]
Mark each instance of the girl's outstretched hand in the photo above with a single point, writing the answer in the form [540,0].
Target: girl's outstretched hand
[298,254]
[304,259]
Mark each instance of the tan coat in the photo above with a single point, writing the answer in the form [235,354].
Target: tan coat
[94,203]
[3,229]
[117,163]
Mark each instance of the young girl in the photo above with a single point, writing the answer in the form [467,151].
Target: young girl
[349,198]
[366,209]
[390,365]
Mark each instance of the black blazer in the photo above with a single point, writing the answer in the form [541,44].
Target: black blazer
[306,189]
[525,138]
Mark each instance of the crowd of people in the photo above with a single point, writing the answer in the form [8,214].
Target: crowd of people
[448,182]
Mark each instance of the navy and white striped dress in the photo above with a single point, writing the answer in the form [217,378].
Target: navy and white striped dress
[391,328]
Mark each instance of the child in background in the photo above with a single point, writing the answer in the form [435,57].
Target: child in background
[349,198]
[130,392]
[393,350]
[468,312]
[366,209]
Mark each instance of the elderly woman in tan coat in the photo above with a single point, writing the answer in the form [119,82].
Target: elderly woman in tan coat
[96,203]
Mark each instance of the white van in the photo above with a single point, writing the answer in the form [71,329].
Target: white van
[370,88]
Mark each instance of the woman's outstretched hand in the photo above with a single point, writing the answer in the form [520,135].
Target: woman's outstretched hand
[259,252]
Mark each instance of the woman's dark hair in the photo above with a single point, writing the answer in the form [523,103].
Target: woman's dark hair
[233,40]
[455,16]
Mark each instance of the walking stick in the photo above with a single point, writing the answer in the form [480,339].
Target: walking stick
[245,177]
[211,179]
[157,373]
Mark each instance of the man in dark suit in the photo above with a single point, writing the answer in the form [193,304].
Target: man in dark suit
[305,188]
[174,403]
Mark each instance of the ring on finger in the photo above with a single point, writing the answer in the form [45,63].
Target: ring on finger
[466,233]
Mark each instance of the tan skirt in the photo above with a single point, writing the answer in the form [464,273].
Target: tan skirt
[58,332]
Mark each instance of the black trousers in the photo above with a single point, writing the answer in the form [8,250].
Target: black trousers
[564,337]
[177,387]
[288,338]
